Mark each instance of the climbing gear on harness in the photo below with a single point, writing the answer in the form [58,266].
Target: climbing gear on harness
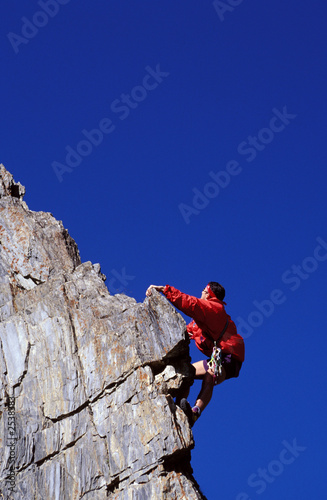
[192,416]
[216,361]
[215,364]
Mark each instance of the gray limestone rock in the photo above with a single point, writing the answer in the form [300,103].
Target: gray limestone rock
[87,379]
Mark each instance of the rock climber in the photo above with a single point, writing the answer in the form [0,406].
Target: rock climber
[215,335]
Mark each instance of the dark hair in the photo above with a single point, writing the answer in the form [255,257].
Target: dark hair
[217,289]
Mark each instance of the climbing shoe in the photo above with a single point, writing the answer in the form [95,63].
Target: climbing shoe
[192,416]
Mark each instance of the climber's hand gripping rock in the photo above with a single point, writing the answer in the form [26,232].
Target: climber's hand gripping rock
[148,293]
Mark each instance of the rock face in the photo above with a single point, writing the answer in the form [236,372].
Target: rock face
[87,379]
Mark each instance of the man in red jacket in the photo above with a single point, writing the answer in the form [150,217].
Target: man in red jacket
[215,336]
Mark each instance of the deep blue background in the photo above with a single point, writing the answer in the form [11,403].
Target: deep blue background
[121,203]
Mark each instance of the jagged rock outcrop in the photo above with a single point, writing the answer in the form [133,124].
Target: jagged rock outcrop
[87,379]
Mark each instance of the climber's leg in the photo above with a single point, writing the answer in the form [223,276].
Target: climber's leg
[199,373]
[203,372]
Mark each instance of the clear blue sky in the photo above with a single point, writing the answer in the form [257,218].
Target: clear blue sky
[185,95]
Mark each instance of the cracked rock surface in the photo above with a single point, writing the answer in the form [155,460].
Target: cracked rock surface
[91,376]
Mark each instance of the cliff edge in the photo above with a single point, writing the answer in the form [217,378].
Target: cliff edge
[87,379]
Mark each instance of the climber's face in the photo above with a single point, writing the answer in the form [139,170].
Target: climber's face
[205,294]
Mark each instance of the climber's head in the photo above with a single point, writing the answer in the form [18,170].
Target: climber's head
[213,289]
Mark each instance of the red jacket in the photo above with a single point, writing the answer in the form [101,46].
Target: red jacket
[208,315]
